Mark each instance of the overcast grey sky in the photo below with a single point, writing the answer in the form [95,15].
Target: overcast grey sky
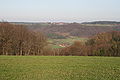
[60,10]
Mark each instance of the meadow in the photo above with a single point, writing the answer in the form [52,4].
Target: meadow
[54,43]
[59,68]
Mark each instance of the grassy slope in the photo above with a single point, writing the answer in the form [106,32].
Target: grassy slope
[69,41]
[59,68]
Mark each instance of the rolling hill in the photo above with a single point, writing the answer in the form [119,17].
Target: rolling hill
[72,29]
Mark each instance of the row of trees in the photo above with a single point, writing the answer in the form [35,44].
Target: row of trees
[103,44]
[18,40]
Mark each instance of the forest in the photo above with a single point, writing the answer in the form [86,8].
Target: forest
[19,40]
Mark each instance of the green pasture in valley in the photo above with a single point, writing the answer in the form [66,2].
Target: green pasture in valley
[54,43]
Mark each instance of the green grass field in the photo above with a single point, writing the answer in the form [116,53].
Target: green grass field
[54,43]
[59,68]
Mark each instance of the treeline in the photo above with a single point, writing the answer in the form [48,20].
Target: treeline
[102,22]
[18,40]
[103,44]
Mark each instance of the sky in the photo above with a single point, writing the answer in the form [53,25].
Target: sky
[59,10]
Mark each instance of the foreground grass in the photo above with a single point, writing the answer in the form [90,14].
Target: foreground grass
[59,68]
